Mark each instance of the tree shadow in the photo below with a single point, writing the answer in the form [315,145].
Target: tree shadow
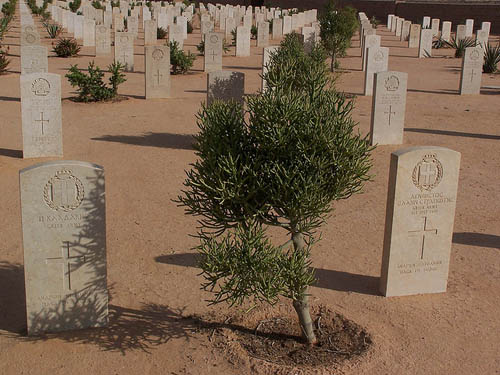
[11,153]
[226,86]
[12,298]
[477,239]
[9,98]
[150,139]
[453,133]
[326,279]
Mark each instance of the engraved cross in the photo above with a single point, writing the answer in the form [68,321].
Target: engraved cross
[472,74]
[390,113]
[422,232]
[158,75]
[66,260]
[426,173]
[42,121]
[213,55]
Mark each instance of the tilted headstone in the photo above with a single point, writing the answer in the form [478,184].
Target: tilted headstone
[277,28]
[388,108]
[242,41]
[213,52]
[472,69]
[446,31]
[425,44]
[225,85]
[377,60]
[469,27]
[421,201]
[461,32]
[102,41]
[89,33]
[41,115]
[124,50]
[263,34]
[266,56]
[157,63]
[414,38]
[64,239]
[34,59]
[435,26]
[150,32]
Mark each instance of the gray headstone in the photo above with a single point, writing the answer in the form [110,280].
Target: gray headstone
[263,34]
[420,213]
[446,31]
[377,60]
[388,108]
[41,115]
[102,40]
[124,50]
[213,52]
[157,63]
[425,45]
[64,240]
[225,85]
[414,38]
[461,32]
[89,33]
[34,59]
[150,32]
[242,41]
[472,69]
[277,28]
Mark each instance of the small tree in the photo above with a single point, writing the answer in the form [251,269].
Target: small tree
[280,163]
[337,28]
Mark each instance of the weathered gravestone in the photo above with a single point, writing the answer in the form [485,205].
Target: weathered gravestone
[34,59]
[213,52]
[414,38]
[405,31]
[225,85]
[287,25]
[124,50]
[425,44]
[266,56]
[472,68]
[446,31]
[377,60]
[435,26]
[29,37]
[79,21]
[461,32]
[175,34]
[277,28]
[102,40]
[157,63]
[41,115]
[89,33]
[420,212]
[64,240]
[150,32]
[371,41]
[242,41]
[388,108]
[469,27]
[263,34]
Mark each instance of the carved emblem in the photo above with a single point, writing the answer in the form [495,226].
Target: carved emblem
[63,192]
[102,29]
[214,38]
[474,55]
[157,54]
[30,38]
[392,83]
[40,87]
[428,173]
[124,39]
[379,56]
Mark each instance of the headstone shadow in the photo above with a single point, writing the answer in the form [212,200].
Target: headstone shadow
[166,140]
[11,153]
[453,133]
[12,300]
[477,239]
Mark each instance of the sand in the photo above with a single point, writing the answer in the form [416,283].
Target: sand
[145,149]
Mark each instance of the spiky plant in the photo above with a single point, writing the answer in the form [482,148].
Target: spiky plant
[4,62]
[161,33]
[53,30]
[66,47]
[491,58]
[439,43]
[460,45]
[181,61]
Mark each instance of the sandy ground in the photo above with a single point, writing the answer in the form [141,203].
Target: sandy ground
[144,147]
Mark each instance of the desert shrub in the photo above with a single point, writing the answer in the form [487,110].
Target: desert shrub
[9,8]
[233,37]
[97,5]
[4,62]
[4,26]
[53,30]
[253,32]
[374,21]
[189,27]
[66,47]
[74,5]
[460,45]
[440,43]
[161,33]
[91,87]
[491,58]
[181,62]
[201,47]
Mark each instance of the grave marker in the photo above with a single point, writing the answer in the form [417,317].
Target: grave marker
[124,50]
[377,59]
[263,34]
[472,69]
[242,41]
[150,32]
[446,31]
[414,38]
[157,63]
[34,59]
[102,40]
[425,44]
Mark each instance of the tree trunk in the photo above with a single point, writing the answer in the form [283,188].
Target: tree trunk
[302,305]
[332,64]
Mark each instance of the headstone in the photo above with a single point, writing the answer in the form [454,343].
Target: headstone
[277,28]
[370,42]
[213,52]
[102,41]
[207,26]
[394,24]
[414,38]
[295,22]
[377,59]
[435,26]
[486,26]
[242,41]
[41,115]
[34,59]
[182,21]
[419,220]
[469,27]
[461,32]
[425,45]
[30,37]
[446,31]
[399,26]
[64,239]
[89,33]
[389,21]
[118,23]
[157,63]
[287,25]
[388,108]
[405,31]
[108,19]
[124,50]
[230,27]
[150,32]
[472,68]
[263,34]
[266,56]
[426,23]
[175,34]
[309,34]
[78,34]
[133,25]
[225,85]
[482,38]
[247,21]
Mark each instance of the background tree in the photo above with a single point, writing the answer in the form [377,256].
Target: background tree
[337,28]
[280,163]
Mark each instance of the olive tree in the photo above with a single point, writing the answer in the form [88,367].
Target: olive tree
[280,161]
[337,28]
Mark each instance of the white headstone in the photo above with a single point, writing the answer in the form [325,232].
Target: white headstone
[89,33]
[213,52]
[34,59]
[102,40]
[263,34]
[266,56]
[472,68]
[242,41]
[435,26]
[446,31]
[469,27]
[150,32]
[124,50]
[425,45]
[377,59]
[414,38]
[157,63]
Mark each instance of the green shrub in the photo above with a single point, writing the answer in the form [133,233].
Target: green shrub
[461,45]
[253,32]
[440,43]
[97,4]
[53,30]
[181,62]
[4,62]
[374,21]
[189,27]
[66,47]
[91,87]
[491,58]
[161,33]
[201,47]
[74,5]
[4,26]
